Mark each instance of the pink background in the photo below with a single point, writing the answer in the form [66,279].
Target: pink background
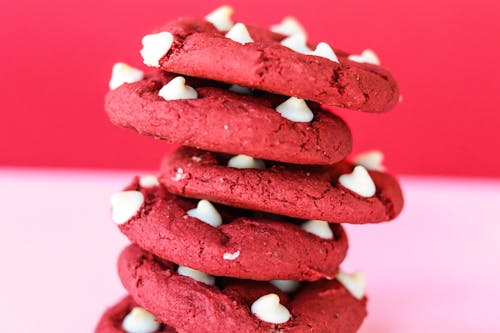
[56,59]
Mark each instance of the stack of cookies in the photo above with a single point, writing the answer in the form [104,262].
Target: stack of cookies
[240,229]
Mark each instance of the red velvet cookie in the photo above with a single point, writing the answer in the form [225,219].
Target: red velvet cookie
[196,48]
[111,321]
[230,305]
[245,246]
[223,121]
[305,192]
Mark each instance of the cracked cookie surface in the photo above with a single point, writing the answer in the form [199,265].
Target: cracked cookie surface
[247,245]
[190,306]
[200,50]
[224,121]
[299,191]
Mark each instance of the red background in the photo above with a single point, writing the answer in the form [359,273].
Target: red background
[56,57]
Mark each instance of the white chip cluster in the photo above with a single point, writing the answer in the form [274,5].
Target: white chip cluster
[239,33]
[298,43]
[325,51]
[240,90]
[296,110]
[269,309]
[179,175]
[231,256]
[221,18]
[286,286]
[355,283]
[140,321]
[196,275]
[319,228]
[177,89]
[155,47]
[148,181]
[367,56]
[206,212]
[123,73]
[289,26]
[246,162]
[125,205]
[359,181]
[371,160]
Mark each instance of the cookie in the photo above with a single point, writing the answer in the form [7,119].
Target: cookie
[240,244]
[329,193]
[113,319]
[224,121]
[232,305]
[254,57]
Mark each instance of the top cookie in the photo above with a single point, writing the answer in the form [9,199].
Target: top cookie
[255,57]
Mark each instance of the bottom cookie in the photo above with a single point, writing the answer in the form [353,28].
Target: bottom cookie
[198,303]
[115,320]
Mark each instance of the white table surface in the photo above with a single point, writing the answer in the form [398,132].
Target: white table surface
[435,269]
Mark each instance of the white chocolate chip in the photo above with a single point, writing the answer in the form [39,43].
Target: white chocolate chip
[125,205]
[240,34]
[296,110]
[359,181]
[155,46]
[296,42]
[148,181]
[371,160]
[231,256]
[268,308]
[221,18]
[177,89]
[318,228]
[325,51]
[140,321]
[196,275]
[240,90]
[286,286]
[179,175]
[207,213]
[367,56]
[355,283]
[196,159]
[245,162]
[226,127]
[123,73]
[289,26]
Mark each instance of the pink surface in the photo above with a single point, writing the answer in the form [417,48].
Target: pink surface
[436,269]
[57,55]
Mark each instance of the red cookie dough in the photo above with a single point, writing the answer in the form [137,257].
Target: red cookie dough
[223,121]
[305,192]
[193,307]
[111,320]
[200,50]
[266,248]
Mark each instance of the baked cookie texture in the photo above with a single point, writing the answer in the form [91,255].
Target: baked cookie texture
[241,229]
[200,50]
[224,121]
[305,192]
[194,307]
[246,245]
